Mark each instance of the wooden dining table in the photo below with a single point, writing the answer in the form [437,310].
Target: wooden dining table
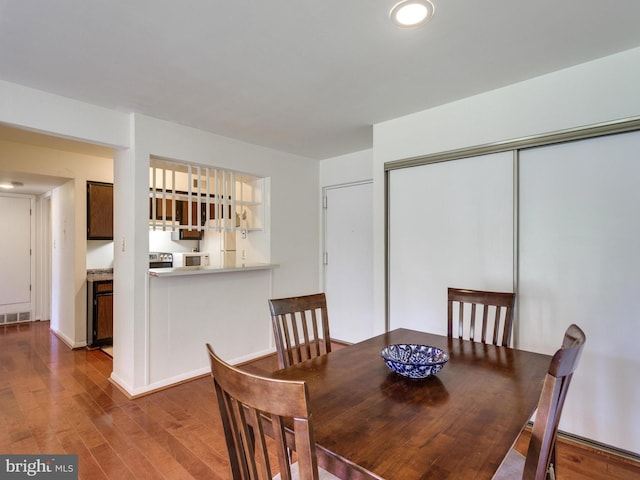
[371,423]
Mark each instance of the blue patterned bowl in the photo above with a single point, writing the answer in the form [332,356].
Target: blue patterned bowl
[414,361]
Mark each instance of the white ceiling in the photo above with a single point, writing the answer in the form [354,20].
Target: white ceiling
[306,77]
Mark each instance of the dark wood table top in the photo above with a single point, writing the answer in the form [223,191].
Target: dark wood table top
[372,423]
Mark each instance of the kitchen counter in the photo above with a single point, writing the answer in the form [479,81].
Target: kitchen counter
[99,274]
[179,271]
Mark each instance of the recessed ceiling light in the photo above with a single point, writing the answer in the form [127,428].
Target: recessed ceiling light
[11,184]
[411,13]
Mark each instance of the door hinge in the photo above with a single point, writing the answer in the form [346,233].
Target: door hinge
[325,258]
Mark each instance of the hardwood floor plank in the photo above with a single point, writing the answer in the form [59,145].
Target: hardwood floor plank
[26,445]
[110,463]
[187,429]
[143,436]
[171,449]
[47,425]
[110,428]
[55,400]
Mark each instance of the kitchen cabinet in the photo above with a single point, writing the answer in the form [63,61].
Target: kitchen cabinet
[228,200]
[163,211]
[99,313]
[99,211]
[182,212]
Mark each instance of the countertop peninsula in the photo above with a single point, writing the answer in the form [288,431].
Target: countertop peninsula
[180,271]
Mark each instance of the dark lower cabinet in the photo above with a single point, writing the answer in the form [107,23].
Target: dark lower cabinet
[99,313]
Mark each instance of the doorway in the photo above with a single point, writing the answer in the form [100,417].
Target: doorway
[348,260]
[16,257]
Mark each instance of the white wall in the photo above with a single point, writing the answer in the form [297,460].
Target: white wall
[595,92]
[160,241]
[351,168]
[292,227]
[63,315]
[99,254]
[44,112]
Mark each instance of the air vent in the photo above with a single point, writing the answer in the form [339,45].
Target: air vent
[15,317]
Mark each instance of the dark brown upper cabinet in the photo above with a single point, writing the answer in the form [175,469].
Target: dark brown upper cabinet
[182,212]
[164,209]
[99,211]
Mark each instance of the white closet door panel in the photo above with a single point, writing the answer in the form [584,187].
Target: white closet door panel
[579,263]
[450,225]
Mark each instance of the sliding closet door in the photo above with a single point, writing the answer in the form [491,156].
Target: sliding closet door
[579,262]
[450,225]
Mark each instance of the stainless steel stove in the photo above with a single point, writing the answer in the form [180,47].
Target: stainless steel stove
[160,260]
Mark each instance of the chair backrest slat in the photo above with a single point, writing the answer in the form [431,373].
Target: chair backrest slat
[501,325]
[300,327]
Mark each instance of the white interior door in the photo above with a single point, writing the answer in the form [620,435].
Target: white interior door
[15,258]
[348,266]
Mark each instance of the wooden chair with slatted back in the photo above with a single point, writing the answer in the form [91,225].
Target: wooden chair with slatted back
[245,400]
[492,320]
[540,462]
[300,327]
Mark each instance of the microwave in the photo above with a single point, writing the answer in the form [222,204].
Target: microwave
[191,259]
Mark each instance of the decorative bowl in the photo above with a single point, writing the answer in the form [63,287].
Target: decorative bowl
[414,361]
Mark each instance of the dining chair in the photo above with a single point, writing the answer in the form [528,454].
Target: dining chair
[540,461]
[246,401]
[300,327]
[497,325]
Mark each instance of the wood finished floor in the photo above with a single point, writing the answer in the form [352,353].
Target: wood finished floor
[57,400]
